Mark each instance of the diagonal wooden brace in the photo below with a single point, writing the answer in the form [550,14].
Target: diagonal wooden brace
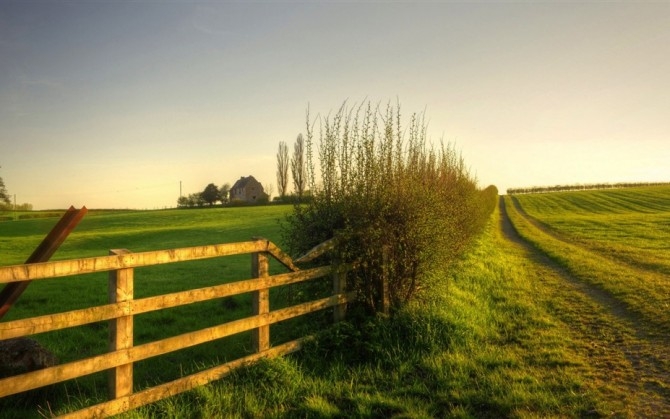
[13,290]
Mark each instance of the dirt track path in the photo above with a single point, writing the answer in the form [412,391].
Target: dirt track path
[632,365]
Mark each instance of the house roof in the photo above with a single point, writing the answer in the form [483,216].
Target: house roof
[242,182]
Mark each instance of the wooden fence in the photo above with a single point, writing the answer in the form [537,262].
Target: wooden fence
[122,307]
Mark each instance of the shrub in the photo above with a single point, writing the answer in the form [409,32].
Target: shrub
[397,205]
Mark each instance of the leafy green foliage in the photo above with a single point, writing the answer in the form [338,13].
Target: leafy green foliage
[191,201]
[397,205]
[211,194]
[223,193]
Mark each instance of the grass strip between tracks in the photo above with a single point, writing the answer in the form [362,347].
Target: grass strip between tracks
[643,292]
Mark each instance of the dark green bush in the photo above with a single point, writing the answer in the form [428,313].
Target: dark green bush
[38,214]
[398,206]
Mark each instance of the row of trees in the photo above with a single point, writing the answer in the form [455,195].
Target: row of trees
[297,164]
[209,196]
[580,187]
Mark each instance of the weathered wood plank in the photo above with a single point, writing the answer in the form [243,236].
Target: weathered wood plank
[47,376]
[181,385]
[308,307]
[132,260]
[281,257]
[51,322]
[41,324]
[339,286]
[317,251]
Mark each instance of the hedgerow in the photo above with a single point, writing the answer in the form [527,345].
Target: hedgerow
[397,205]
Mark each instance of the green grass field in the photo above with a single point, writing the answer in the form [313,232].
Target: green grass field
[100,231]
[541,318]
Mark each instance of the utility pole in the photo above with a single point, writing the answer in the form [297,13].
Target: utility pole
[180,188]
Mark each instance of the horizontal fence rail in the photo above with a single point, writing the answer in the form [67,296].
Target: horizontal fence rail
[62,268]
[122,307]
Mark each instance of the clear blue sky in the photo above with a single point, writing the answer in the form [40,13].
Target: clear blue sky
[112,104]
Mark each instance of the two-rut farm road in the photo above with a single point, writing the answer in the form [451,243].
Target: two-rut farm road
[630,359]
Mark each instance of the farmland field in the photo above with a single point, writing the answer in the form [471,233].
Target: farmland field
[614,246]
[631,225]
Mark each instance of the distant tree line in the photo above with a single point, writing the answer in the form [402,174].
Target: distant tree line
[208,197]
[580,187]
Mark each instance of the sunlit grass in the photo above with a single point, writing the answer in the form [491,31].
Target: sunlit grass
[485,344]
[500,336]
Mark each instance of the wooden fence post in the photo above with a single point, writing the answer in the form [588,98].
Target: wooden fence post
[121,289]
[385,304]
[339,287]
[260,267]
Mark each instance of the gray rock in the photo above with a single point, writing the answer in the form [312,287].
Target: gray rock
[21,355]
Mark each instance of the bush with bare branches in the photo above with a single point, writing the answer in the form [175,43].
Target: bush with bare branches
[397,205]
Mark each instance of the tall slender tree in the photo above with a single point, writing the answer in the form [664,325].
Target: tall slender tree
[282,168]
[298,167]
[223,193]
